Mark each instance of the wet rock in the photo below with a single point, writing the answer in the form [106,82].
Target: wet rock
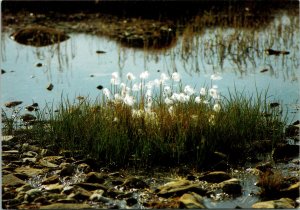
[100,52]
[12,104]
[53,188]
[91,186]
[8,140]
[293,130]
[32,194]
[191,201]
[29,160]
[39,36]
[179,187]
[3,71]
[39,65]
[27,147]
[53,159]
[24,188]
[47,164]
[263,167]
[292,191]
[98,197]
[30,154]
[283,203]
[67,206]
[94,177]
[31,108]
[28,117]
[286,151]
[42,201]
[22,176]
[136,183]
[30,172]
[215,177]
[66,200]
[67,169]
[80,194]
[231,186]
[51,180]
[50,87]
[53,197]
[276,52]
[8,195]
[11,203]
[68,190]
[131,201]
[11,180]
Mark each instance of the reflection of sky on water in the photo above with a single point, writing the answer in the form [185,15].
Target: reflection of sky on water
[71,72]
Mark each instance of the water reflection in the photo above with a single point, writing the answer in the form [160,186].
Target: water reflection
[75,68]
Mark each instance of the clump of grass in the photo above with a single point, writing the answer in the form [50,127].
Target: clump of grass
[159,122]
[270,183]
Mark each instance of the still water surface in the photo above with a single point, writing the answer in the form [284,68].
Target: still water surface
[74,67]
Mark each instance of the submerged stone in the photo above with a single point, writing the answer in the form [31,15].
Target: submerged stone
[39,36]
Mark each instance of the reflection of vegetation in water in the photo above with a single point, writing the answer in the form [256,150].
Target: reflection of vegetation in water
[159,122]
[239,49]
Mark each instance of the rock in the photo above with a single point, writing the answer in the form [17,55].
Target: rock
[179,188]
[55,196]
[26,147]
[12,104]
[39,36]
[11,180]
[46,163]
[94,177]
[215,177]
[8,195]
[131,201]
[66,200]
[136,183]
[68,190]
[50,87]
[30,154]
[292,191]
[42,201]
[53,159]
[51,180]
[80,194]
[286,151]
[8,140]
[263,167]
[30,172]
[24,188]
[191,201]
[231,186]
[283,203]
[28,117]
[91,186]
[29,160]
[67,170]
[67,206]
[54,188]
[32,194]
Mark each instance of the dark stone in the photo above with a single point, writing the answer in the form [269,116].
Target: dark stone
[215,177]
[94,177]
[91,186]
[286,151]
[67,170]
[134,182]
[131,201]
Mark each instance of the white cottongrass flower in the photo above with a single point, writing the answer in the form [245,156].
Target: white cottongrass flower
[148,93]
[130,76]
[189,90]
[163,77]
[168,101]
[217,107]
[215,77]
[129,100]
[149,84]
[176,77]
[118,98]
[203,91]
[144,75]
[115,75]
[136,87]
[214,93]
[167,90]
[198,100]
[106,92]
[114,81]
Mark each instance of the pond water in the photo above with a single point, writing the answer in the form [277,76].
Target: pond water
[237,55]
